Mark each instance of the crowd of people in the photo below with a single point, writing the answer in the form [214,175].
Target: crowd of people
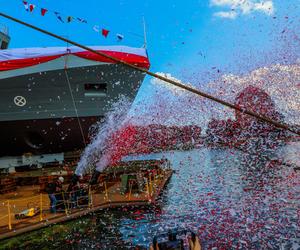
[59,197]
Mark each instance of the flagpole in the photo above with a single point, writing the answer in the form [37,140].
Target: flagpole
[145,35]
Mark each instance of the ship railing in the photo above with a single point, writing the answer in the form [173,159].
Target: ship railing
[14,213]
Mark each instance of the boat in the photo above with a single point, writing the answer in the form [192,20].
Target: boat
[51,96]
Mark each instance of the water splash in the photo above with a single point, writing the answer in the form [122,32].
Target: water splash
[97,153]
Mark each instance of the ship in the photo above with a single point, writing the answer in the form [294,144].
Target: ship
[51,96]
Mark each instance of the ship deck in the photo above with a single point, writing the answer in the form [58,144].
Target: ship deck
[108,196]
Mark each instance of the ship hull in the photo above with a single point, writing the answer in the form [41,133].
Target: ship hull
[40,112]
[45,136]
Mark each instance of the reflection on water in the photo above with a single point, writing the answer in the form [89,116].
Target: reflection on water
[230,199]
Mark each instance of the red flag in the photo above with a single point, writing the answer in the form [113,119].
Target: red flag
[43,11]
[31,7]
[105,32]
[25,5]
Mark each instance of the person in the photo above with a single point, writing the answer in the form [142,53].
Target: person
[53,189]
[194,242]
[83,195]
[154,245]
[73,191]
[164,163]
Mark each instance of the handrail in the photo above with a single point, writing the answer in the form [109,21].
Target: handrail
[93,202]
[23,199]
[37,197]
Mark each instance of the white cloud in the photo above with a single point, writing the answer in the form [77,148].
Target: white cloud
[266,7]
[226,14]
[242,7]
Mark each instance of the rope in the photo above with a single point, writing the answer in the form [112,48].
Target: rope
[165,79]
[75,107]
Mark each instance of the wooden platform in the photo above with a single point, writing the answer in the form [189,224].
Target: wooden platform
[111,197]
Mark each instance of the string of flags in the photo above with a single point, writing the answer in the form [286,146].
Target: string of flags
[29,7]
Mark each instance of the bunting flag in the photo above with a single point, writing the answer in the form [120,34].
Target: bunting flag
[58,16]
[64,18]
[120,37]
[105,32]
[81,20]
[43,11]
[26,5]
[69,19]
[96,28]
[31,7]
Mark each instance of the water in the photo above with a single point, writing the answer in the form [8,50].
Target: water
[230,199]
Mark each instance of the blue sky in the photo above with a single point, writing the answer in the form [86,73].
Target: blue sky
[189,39]
[180,33]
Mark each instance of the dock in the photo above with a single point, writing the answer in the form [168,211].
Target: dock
[109,192]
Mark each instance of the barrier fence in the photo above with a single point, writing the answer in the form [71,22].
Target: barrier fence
[19,213]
